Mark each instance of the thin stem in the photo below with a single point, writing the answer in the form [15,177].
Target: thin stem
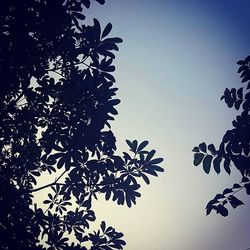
[19,97]
[67,66]
[20,105]
[57,73]
[48,185]
[227,198]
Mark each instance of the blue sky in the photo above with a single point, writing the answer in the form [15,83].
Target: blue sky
[174,64]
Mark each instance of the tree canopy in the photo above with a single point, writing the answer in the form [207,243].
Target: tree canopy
[57,99]
[234,150]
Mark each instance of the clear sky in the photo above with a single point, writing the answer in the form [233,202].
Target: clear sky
[176,60]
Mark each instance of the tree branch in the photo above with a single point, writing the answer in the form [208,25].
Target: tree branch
[48,185]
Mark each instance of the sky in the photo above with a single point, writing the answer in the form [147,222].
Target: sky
[172,68]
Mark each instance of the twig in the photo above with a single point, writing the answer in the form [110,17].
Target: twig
[48,185]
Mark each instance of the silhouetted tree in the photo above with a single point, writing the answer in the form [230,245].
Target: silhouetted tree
[56,103]
[233,151]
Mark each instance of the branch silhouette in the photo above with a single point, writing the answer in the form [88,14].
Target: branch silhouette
[234,150]
[48,185]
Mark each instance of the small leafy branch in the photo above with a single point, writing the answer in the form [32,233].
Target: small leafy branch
[209,154]
[234,150]
[228,196]
[114,176]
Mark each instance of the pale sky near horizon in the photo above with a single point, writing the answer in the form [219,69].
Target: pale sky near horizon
[174,64]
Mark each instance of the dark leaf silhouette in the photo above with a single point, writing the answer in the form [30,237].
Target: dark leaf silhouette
[235,202]
[247,186]
[207,163]
[142,146]
[107,30]
[203,147]
[198,157]
[222,210]
[233,152]
[216,163]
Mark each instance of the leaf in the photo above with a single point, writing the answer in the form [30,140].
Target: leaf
[245,79]
[155,161]
[236,185]
[242,68]
[103,226]
[211,202]
[145,178]
[135,144]
[241,62]
[247,187]
[207,163]
[105,247]
[157,168]
[106,30]
[248,85]
[142,157]
[212,149]
[247,59]
[115,102]
[127,157]
[108,194]
[237,104]
[86,3]
[227,191]
[150,171]
[219,196]
[198,158]
[109,69]
[120,200]
[222,210]
[132,145]
[209,209]
[61,162]
[100,1]
[196,149]
[97,27]
[150,155]
[108,46]
[113,40]
[244,179]
[128,200]
[142,146]
[203,147]
[240,92]
[108,76]
[78,236]
[235,202]
[216,163]
[226,166]
[50,196]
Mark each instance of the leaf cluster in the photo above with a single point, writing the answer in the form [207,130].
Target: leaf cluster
[228,196]
[234,150]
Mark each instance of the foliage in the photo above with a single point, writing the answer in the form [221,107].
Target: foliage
[56,103]
[233,152]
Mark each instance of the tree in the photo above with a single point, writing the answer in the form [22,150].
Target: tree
[233,151]
[57,99]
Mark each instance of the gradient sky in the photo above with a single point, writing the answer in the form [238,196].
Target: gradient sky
[176,60]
